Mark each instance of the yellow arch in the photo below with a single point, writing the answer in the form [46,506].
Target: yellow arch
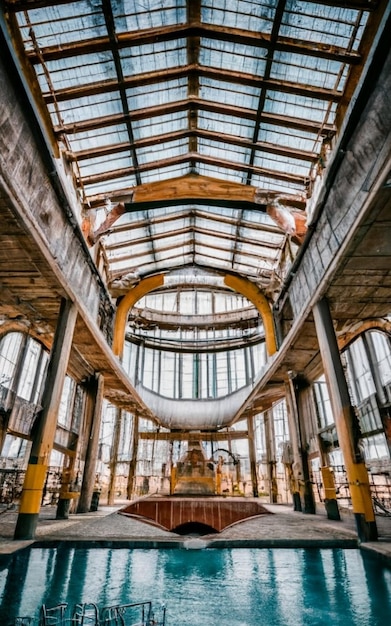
[241,285]
[252,292]
[127,302]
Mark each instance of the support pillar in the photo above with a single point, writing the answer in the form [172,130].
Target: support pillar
[330,501]
[303,497]
[133,462]
[45,429]
[271,456]
[345,422]
[96,394]
[114,456]
[252,455]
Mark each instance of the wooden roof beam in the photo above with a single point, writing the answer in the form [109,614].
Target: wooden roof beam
[199,158]
[150,36]
[185,214]
[24,5]
[175,73]
[193,102]
[204,134]
[185,231]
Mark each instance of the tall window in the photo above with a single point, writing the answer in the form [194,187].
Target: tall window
[192,343]
[322,401]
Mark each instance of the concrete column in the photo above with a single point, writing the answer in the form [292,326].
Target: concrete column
[270,456]
[133,462]
[114,456]
[45,429]
[96,390]
[303,498]
[345,422]
[252,455]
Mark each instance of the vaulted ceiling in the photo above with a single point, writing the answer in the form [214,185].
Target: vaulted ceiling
[194,130]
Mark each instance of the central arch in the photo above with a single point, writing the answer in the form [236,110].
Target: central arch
[236,283]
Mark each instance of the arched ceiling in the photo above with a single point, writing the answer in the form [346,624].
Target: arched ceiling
[193,130]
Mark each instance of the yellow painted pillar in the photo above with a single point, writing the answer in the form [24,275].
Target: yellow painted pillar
[356,470]
[43,438]
[328,481]
[259,300]
[127,302]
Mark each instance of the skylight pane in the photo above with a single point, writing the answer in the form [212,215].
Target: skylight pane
[229,93]
[150,14]
[99,137]
[219,172]
[167,228]
[158,125]
[233,56]
[282,164]
[153,57]
[89,107]
[289,137]
[111,162]
[62,24]
[295,106]
[220,122]
[307,70]
[161,151]
[114,184]
[159,93]
[217,225]
[262,181]
[242,14]
[319,23]
[224,151]
[81,70]
[168,172]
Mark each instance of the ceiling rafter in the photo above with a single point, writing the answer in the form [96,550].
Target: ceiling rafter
[185,71]
[279,12]
[223,219]
[110,25]
[185,231]
[185,158]
[194,30]
[23,5]
[260,146]
[193,9]
[213,107]
[187,244]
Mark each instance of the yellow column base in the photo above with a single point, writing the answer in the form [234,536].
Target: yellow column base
[360,491]
[34,482]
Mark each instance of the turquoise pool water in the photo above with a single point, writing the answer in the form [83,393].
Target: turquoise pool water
[230,587]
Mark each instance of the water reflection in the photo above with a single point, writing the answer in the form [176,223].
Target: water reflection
[238,587]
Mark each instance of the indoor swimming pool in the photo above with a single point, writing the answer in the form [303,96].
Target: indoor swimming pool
[213,587]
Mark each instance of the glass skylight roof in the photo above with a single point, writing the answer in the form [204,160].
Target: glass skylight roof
[242,91]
